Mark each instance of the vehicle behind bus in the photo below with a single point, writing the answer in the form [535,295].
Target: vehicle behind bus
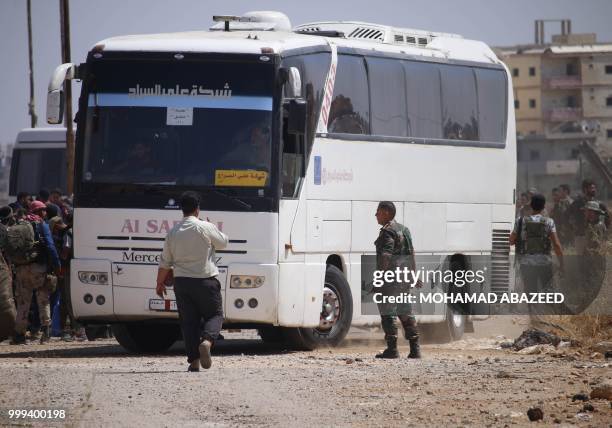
[38,161]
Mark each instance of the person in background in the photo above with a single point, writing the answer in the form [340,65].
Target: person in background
[55,197]
[523,207]
[534,236]
[31,273]
[188,255]
[43,196]
[576,217]
[24,199]
[7,299]
[559,214]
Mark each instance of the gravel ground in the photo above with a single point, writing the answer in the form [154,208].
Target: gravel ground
[466,383]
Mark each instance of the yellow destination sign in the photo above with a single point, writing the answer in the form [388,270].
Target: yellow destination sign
[231,177]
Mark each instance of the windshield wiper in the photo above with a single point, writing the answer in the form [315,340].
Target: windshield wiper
[232,198]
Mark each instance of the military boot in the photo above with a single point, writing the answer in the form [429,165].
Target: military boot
[415,349]
[44,337]
[391,351]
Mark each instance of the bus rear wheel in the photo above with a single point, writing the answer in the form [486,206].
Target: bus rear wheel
[146,338]
[335,319]
[451,329]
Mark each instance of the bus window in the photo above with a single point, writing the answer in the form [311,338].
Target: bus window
[387,88]
[459,103]
[423,98]
[492,100]
[350,111]
[313,70]
[34,169]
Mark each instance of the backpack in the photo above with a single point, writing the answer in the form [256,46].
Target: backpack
[536,240]
[22,242]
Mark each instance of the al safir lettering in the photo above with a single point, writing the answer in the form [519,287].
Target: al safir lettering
[141,258]
[194,91]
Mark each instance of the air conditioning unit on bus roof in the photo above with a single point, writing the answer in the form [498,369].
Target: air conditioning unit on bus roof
[372,32]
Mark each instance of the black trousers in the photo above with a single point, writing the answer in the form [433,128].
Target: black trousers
[198,299]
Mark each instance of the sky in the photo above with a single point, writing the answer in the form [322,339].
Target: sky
[496,22]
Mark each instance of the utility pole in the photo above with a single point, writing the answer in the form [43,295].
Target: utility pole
[65,31]
[31,109]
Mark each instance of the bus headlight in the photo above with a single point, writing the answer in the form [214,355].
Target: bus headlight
[246,281]
[99,278]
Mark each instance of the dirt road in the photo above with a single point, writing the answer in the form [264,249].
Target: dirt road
[467,383]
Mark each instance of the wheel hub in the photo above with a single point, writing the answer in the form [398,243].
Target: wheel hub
[330,310]
[457,320]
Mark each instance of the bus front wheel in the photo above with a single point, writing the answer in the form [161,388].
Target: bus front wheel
[146,338]
[336,315]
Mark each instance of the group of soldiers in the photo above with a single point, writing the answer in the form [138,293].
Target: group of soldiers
[575,226]
[581,223]
[35,246]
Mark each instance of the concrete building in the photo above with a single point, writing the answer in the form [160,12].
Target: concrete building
[563,100]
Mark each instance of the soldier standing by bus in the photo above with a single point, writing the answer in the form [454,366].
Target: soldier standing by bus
[394,248]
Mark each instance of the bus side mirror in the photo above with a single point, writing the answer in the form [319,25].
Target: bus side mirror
[55,107]
[296,109]
[55,94]
[294,83]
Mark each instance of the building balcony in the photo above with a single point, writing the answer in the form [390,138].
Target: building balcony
[563,82]
[562,114]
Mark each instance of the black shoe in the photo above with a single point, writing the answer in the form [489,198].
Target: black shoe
[194,366]
[18,339]
[415,349]
[388,353]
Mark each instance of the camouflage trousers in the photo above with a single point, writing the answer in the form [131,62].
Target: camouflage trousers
[29,278]
[390,312]
[7,301]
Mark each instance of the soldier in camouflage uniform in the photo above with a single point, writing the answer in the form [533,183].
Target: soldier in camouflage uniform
[594,262]
[576,214]
[33,276]
[394,249]
[7,301]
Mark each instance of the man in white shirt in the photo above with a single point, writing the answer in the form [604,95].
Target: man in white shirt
[188,254]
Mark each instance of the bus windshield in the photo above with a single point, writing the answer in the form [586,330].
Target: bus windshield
[185,123]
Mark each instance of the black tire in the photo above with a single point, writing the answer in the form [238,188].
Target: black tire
[328,333]
[271,334]
[146,338]
[443,332]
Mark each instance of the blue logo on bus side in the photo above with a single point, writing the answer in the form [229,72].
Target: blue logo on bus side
[317,170]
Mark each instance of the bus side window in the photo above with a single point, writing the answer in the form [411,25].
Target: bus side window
[350,112]
[293,162]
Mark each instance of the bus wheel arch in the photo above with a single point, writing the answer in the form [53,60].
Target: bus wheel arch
[336,314]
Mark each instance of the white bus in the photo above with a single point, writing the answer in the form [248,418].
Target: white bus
[292,136]
[38,161]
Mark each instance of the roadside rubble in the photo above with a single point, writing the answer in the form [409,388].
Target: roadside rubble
[533,337]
